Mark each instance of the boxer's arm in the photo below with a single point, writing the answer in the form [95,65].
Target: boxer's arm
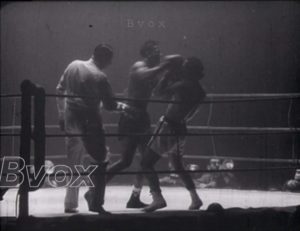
[141,71]
[60,90]
[163,84]
[196,108]
[172,88]
[107,95]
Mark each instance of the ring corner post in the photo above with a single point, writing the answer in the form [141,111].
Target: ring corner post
[39,132]
[25,140]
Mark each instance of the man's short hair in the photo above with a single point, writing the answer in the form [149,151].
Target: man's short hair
[103,52]
[147,47]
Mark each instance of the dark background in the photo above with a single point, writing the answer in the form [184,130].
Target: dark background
[246,47]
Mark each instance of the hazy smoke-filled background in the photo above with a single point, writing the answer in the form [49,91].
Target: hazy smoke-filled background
[246,47]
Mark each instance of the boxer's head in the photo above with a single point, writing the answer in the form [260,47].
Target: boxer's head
[193,68]
[103,55]
[150,51]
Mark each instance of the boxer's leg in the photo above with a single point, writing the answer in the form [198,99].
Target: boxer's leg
[128,148]
[148,161]
[176,158]
[134,200]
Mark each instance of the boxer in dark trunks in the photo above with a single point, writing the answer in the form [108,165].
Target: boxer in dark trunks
[143,77]
[180,84]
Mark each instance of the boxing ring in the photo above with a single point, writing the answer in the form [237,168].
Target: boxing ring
[49,202]
[42,208]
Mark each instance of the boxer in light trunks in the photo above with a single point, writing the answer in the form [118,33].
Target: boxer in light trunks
[180,84]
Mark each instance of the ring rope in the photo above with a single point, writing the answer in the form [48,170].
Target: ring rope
[242,98]
[205,157]
[10,95]
[173,171]
[171,134]
[210,95]
[250,159]
[273,132]
[211,98]
[225,95]
[195,127]
[196,171]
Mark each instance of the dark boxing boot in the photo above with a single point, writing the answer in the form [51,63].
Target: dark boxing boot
[158,202]
[134,202]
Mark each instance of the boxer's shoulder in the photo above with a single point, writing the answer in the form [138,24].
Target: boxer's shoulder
[138,64]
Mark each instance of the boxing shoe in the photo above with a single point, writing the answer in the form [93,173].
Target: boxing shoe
[195,205]
[158,203]
[93,207]
[134,202]
[196,201]
[71,210]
